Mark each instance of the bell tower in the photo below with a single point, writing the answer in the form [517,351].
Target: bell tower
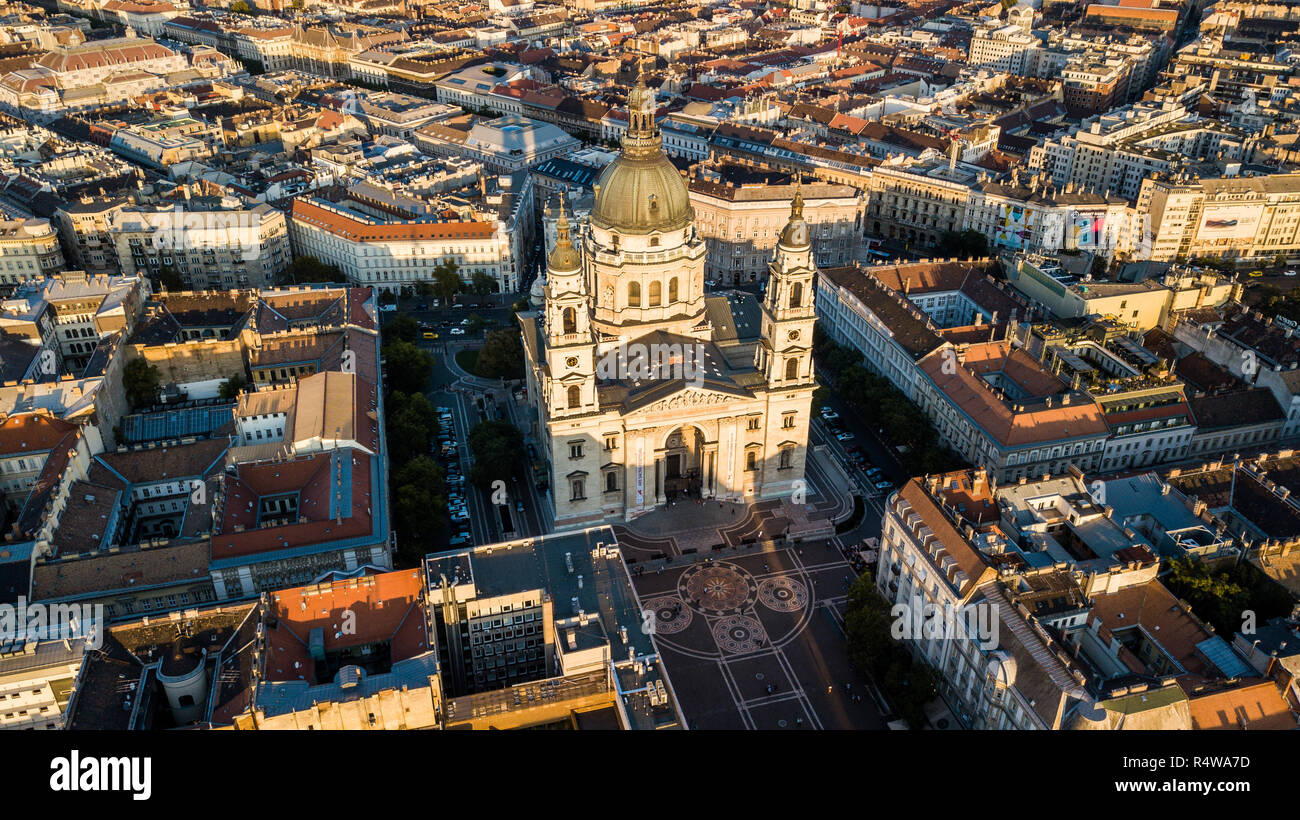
[570,349]
[785,353]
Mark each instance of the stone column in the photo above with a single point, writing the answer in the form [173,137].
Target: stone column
[660,466]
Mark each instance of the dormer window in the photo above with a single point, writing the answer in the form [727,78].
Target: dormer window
[654,241]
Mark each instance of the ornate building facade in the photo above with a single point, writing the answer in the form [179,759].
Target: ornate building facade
[646,388]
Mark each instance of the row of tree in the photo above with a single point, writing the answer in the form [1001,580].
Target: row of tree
[908,684]
[877,400]
[419,483]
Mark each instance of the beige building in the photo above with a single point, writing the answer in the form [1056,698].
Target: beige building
[741,223]
[37,679]
[912,207]
[84,228]
[646,389]
[29,249]
[1228,218]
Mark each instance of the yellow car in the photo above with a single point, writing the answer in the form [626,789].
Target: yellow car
[430,336]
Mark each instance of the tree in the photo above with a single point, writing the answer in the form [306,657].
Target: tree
[476,323]
[496,446]
[502,356]
[409,367]
[446,281]
[481,284]
[307,270]
[230,388]
[412,425]
[402,328]
[140,380]
[1099,266]
[241,7]
[963,244]
[419,507]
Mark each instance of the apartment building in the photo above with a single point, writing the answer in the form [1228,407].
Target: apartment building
[555,612]
[37,681]
[84,229]
[916,205]
[1003,49]
[941,552]
[390,255]
[29,250]
[1230,218]
[1136,305]
[741,222]
[212,245]
[1117,151]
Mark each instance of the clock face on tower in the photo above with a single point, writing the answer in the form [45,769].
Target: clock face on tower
[572,361]
[793,335]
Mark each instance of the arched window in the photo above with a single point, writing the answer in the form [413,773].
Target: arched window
[751,460]
[792,369]
[672,290]
[611,481]
[570,320]
[796,295]
[578,492]
[787,458]
[654,241]
[634,294]
[575,397]
[656,294]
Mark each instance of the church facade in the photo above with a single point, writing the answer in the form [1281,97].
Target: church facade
[646,389]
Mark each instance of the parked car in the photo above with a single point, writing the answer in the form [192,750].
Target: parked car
[457,331]
[884,486]
[829,414]
[844,436]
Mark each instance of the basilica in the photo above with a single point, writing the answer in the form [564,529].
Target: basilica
[648,390]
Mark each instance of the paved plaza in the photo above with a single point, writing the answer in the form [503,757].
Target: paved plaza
[756,641]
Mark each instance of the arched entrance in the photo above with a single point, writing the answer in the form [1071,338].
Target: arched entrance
[683,460]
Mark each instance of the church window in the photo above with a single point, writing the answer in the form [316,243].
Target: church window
[792,369]
[656,294]
[787,457]
[796,295]
[672,290]
[634,294]
[570,320]
[787,421]
[575,397]
[611,481]
[753,423]
[577,490]
[751,460]
[654,241]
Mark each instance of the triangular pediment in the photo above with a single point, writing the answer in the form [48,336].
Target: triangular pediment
[690,397]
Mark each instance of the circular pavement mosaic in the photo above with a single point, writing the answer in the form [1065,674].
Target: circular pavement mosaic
[738,634]
[783,594]
[671,615]
[717,589]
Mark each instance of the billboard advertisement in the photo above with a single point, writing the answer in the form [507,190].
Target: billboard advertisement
[1014,227]
[1229,221]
